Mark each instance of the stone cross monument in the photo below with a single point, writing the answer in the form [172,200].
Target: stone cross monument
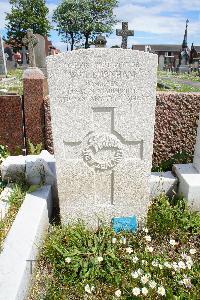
[124,32]
[31,41]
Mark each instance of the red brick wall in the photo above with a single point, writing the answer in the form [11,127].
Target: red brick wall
[177,115]
[11,122]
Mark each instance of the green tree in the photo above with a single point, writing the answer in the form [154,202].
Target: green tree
[84,19]
[66,16]
[26,14]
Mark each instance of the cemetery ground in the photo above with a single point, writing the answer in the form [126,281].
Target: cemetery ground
[178,82]
[159,261]
[13,83]
[167,81]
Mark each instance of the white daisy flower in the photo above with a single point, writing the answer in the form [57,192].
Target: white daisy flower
[147,238]
[99,259]
[173,242]
[149,249]
[186,281]
[167,265]
[123,241]
[189,265]
[144,279]
[135,259]
[140,272]
[144,262]
[155,263]
[114,240]
[152,284]
[193,251]
[175,266]
[129,250]
[87,289]
[161,291]
[136,291]
[118,293]
[144,291]
[68,260]
[135,274]
[181,265]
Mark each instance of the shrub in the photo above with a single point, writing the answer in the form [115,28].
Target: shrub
[153,263]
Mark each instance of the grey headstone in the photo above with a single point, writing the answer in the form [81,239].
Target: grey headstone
[3,69]
[40,53]
[103,113]
[161,62]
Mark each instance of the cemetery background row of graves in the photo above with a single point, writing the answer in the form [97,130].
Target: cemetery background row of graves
[25,114]
[97,261]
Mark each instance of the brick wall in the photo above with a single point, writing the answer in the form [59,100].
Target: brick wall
[177,115]
[11,122]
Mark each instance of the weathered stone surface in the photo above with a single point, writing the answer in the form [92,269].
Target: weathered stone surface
[196,160]
[103,107]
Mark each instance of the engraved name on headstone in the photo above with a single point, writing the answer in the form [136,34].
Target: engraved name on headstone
[103,111]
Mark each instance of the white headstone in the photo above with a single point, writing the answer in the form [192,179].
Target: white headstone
[103,112]
[3,69]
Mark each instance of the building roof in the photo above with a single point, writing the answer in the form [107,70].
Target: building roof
[164,48]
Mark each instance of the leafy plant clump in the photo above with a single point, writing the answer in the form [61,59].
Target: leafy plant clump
[160,261]
[3,153]
[178,158]
[14,201]
[34,149]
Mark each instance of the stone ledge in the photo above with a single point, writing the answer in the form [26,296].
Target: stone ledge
[22,244]
[189,184]
[163,182]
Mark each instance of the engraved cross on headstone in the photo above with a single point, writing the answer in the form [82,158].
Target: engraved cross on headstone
[102,150]
[31,41]
[124,32]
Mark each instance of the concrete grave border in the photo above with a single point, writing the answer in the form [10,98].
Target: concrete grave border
[22,244]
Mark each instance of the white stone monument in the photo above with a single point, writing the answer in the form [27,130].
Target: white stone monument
[3,69]
[189,177]
[103,113]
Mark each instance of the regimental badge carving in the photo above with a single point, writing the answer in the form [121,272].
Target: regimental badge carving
[103,152]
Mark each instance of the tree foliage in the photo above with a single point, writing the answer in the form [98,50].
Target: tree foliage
[26,14]
[84,19]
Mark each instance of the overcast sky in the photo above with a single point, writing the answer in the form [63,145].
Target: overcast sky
[154,21]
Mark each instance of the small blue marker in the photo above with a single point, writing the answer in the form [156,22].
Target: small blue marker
[125,224]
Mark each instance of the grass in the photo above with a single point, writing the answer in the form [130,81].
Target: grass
[167,82]
[194,76]
[14,201]
[159,261]
[14,86]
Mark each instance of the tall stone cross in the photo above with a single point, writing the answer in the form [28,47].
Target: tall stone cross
[124,32]
[31,41]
